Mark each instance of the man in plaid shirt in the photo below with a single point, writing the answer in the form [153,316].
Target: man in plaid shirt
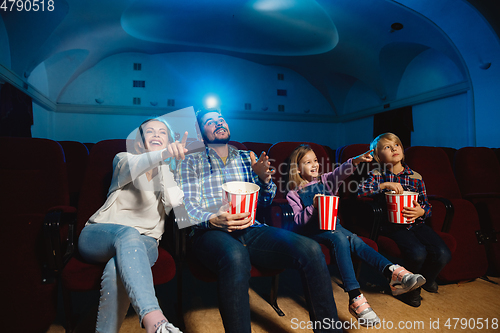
[422,249]
[229,244]
[204,173]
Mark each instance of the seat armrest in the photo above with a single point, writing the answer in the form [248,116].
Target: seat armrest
[378,215]
[59,240]
[362,215]
[285,212]
[180,230]
[450,211]
[287,220]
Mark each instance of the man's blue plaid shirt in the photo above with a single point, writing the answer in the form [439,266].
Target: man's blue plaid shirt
[202,174]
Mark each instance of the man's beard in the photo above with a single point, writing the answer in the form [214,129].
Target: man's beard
[216,141]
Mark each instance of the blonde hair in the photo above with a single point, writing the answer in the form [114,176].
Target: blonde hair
[376,146]
[294,178]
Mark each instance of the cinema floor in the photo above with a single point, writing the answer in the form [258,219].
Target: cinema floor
[472,306]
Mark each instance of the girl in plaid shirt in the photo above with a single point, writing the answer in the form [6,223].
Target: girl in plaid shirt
[422,249]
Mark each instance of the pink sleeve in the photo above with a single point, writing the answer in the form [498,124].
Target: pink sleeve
[333,179]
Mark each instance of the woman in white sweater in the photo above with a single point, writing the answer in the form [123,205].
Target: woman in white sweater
[124,233]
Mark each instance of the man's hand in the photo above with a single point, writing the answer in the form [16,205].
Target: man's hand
[396,187]
[230,222]
[262,167]
[366,157]
[412,213]
[176,149]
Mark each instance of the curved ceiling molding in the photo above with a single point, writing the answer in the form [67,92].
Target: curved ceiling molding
[60,67]
[394,58]
[271,27]
[348,91]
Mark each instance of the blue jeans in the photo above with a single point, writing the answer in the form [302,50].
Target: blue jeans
[342,243]
[230,256]
[127,277]
[423,251]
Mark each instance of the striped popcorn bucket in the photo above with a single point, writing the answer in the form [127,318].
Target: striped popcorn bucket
[328,206]
[242,197]
[396,203]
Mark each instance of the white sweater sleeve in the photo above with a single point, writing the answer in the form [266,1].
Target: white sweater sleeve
[127,167]
[172,196]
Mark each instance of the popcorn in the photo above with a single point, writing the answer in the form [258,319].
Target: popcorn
[396,203]
[242,197]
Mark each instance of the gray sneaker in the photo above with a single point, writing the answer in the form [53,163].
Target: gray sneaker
[403,281]
[363,312]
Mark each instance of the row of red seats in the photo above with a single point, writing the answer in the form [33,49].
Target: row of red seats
[451,176]
[42,175]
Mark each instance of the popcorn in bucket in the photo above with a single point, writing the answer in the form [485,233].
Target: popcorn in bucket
[242,197]
[396,203]
[328,206]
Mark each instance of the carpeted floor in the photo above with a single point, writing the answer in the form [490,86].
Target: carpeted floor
[457,307]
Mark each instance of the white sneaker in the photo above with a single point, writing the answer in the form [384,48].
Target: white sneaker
[167,328]
[403,281]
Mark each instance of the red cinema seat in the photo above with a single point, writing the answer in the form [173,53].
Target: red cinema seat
[477,171]
[238,145]
[450,152]
[451,214]
[257,147]
[34,182]
[77,155]
[349,188]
